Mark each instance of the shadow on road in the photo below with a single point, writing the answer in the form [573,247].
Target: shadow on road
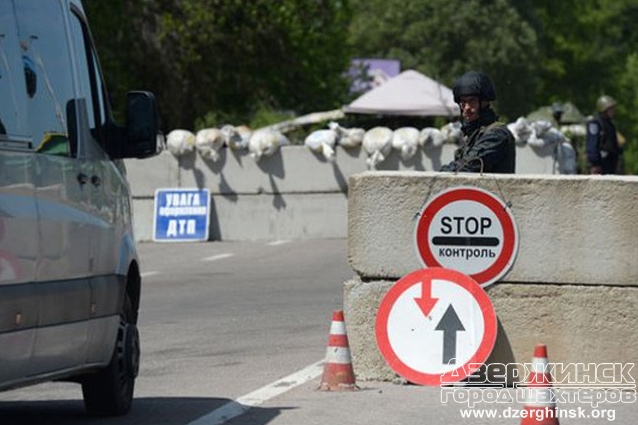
[145,411]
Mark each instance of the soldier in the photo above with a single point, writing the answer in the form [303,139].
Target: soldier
[603,150]
[488,146]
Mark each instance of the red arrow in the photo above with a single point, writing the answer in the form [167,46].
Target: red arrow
[426,303]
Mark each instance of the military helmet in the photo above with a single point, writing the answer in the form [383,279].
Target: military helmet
[474,83]
[557,108]
[605,102]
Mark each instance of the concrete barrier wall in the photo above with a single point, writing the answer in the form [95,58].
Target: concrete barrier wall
[573,285]
[294,193]
[572,229]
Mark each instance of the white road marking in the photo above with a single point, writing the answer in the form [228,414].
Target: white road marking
[238,407]
[147,274]
[279,242]
[218,257]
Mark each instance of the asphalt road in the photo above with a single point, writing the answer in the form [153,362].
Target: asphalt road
[227,326]
[217,321]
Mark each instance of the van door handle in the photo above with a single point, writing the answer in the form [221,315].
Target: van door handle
[96,181]
[82,179]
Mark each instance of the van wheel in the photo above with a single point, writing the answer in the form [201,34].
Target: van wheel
[110,391]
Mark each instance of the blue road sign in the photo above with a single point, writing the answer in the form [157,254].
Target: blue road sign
[181,215]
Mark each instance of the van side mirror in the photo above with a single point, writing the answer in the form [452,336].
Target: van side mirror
[143,135]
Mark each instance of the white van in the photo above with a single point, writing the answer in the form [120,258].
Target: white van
[69,272]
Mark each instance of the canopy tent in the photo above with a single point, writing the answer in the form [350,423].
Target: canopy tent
[409,93]
[571,114]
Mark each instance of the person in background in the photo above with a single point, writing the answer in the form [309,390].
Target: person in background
[557,113]
[603,151]
[487,146]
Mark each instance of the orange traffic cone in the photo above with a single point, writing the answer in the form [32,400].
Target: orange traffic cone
[337,371]
[540,404]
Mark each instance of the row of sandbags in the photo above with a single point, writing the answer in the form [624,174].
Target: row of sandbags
[544,137]
[208,142]
[377,142]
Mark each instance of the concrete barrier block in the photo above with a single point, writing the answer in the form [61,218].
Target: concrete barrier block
[578,323]
[278,216]
[147,175]
[361,301]
[572,229]
[143,211]
[293,169]
[531,160]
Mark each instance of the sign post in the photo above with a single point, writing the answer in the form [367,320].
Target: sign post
[470,230]
[435,326]
[181,215]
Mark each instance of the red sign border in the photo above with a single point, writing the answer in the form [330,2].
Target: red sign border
[485,347]
[466,193]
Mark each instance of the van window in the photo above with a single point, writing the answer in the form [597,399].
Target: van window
[14,131]
[47,75]
[91,87]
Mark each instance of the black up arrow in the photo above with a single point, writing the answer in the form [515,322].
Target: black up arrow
[450,325]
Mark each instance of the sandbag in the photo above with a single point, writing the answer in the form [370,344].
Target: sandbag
[236,137]
[522,130]
[322,142]
[452,133]
[265,143]
[406,141]
[377,142]
[431,137]
[568,163]
[208,142]
[347,137]
[180,142]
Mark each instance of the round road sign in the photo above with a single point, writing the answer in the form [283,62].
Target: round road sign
[470,230]
[435,326]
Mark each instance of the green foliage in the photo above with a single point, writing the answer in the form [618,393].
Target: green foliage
[227,56]
[265,116]
[628,90]
[212,62]
[590,48]
[443,40]
[586,46]
[209,120]
[118,47]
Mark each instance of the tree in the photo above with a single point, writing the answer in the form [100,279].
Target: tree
[628,89]
[585,45]
[590,48]
[229,57]
[111,24]
[218,61]
[443,40]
